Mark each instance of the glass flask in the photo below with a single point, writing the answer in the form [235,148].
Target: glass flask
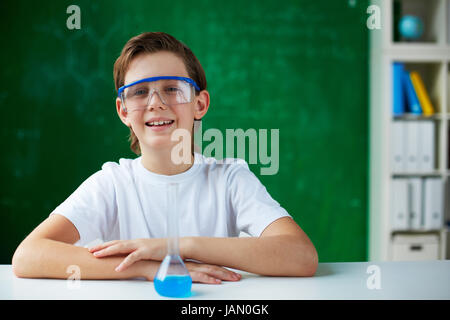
[172,278]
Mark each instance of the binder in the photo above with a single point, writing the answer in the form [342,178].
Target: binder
[399,205]
[397,90]
[412,146]
[421,93]
[415,203]
[398,162]
[426,145]
[411,97]
[448,26]
[433,204]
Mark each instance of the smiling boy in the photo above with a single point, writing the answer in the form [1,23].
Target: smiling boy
[161,89]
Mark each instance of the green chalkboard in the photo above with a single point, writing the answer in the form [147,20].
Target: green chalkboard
[297,66]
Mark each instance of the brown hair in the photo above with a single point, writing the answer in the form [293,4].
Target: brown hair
[151,42]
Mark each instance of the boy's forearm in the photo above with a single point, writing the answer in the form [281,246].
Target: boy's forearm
[282,255]
[45,258]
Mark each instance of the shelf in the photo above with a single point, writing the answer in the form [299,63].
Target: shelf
[416,117]
[430,58]
[420,46]
[420,52]
[415,174]
[418,231]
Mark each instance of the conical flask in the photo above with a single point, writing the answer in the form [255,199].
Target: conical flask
[172,278]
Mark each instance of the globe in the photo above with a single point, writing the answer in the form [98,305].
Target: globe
[410,27]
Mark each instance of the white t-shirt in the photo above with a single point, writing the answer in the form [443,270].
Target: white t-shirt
[127,201]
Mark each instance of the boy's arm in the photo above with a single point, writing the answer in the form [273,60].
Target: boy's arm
[48,251]
[283,249]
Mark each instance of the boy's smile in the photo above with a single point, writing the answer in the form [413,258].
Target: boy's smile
[159,123]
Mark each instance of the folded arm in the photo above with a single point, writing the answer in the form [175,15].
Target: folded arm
[48,252]
[283,249]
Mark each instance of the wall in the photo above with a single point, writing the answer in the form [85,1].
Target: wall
[296,66]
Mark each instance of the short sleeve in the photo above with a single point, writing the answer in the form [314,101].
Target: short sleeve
[253,206]
[91,208]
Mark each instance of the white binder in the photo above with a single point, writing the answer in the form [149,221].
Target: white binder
[433,204]
[426,146]
[399,205]
[415,203]
[398,162]
[412,146]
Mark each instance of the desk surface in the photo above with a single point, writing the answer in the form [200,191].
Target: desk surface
[397,280]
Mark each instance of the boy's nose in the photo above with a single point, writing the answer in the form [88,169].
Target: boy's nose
[154,100]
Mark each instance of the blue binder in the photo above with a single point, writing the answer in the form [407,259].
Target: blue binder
[399,107]
[411,97]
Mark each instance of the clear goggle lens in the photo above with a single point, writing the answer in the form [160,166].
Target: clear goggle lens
[170,91]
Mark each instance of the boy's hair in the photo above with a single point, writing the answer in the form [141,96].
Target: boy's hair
[152,42]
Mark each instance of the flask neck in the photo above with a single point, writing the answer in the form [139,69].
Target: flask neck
[172,219]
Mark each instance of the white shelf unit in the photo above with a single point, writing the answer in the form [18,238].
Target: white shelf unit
[432,54]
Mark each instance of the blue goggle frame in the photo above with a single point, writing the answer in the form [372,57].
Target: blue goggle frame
[188,80]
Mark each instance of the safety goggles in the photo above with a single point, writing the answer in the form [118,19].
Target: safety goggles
[171,91]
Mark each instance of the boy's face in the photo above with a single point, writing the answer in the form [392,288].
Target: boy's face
[148,65]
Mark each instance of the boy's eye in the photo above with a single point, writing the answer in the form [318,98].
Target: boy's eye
[172,90]
[139,92]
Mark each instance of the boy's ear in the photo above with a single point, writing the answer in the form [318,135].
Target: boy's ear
[202,105]
[122,113]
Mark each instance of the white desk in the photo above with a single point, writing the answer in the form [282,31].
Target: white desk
[398,280]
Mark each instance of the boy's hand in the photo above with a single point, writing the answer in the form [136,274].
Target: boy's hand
[155,249]
[139,249]
[199,272]
[211,274]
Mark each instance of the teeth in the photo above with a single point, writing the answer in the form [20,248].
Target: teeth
[158,123]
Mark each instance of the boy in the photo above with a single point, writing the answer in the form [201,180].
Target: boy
[162,88]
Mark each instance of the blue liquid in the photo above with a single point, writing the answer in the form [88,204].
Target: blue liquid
[174,286]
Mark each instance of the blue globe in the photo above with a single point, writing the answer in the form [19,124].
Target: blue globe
[410,27]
